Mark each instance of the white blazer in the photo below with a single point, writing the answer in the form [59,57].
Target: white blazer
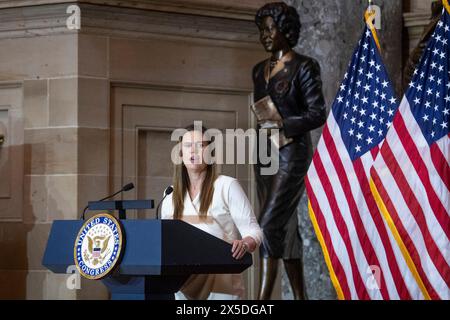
[230,217]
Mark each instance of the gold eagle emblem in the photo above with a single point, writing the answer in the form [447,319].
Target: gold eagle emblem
[97,249]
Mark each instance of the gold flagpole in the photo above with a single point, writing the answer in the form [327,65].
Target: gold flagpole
[446,5]
[369,17]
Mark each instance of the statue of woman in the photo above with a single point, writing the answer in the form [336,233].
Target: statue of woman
[292,83]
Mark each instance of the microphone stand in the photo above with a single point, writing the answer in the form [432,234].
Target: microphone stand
[168,191]
[127,187]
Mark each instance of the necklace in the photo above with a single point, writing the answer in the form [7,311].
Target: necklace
[273,64]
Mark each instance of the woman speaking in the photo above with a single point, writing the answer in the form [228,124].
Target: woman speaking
[215,204]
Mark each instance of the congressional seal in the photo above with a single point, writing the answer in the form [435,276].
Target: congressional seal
[98,246]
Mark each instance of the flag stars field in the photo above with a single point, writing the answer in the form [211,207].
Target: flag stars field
[434,74]
[357,91]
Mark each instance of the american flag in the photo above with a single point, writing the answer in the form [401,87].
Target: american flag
[362,255]
[411,175]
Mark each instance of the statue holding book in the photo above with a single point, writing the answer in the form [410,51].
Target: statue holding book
[288,97]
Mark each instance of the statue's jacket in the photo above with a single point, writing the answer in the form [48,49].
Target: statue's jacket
[296,89]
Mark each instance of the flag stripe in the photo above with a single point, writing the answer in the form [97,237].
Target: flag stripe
[425,152]
[386,256]
[409,172]
[366,162]
[414,240]
[422,171]
[340,170]
[444,146]
[340,223]
[413,290]
[337,272]
[359,241]
[414,207]
[327,258]
[410,233]
[360,228]
[390,213]
[374,211]
[374,152]
[376,227]
[333,239]
[378,234]
[391,195]
[440,163]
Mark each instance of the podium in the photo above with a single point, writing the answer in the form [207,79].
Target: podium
[159,256]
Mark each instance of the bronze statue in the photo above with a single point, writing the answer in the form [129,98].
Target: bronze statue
[292,83]
[416,54]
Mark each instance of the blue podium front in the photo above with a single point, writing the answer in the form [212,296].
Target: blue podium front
[159,256]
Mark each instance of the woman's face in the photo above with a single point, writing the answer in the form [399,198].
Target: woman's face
[271,38]
[193,149]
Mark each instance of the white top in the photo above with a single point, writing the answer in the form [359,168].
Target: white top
[230,217]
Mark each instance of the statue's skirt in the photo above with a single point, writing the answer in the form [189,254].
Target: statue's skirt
[279,197]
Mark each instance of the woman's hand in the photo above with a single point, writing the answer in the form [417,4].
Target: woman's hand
[240,247]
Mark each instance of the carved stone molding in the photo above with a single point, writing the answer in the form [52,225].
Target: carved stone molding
[236,9]
[126,22]
[144,24]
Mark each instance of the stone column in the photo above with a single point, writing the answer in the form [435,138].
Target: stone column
[416,16]
[64,144]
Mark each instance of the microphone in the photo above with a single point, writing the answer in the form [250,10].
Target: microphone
[168,191]
[126,187]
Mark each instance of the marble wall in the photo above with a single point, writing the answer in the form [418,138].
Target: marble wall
[61,154]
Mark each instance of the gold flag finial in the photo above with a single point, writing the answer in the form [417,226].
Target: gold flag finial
[446,5]
[369,17]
